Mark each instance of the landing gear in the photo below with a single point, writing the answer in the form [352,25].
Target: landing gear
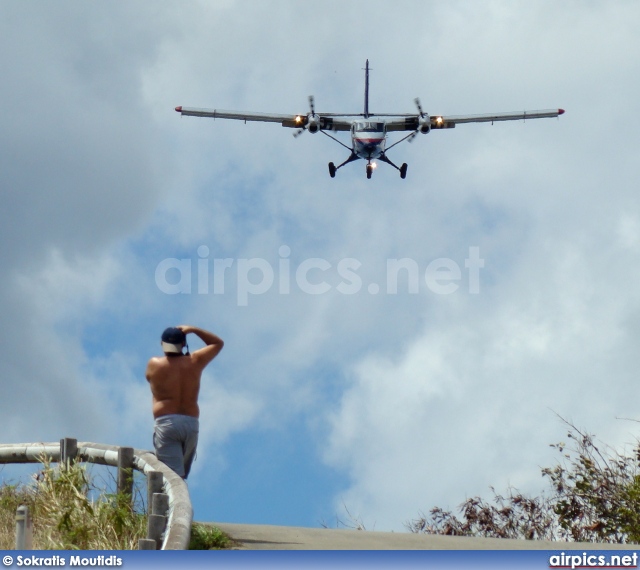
[370,166]
[333,168]
[402,169]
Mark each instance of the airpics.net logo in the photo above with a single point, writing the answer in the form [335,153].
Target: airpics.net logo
[313,276]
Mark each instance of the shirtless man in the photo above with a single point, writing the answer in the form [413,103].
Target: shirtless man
[175,383]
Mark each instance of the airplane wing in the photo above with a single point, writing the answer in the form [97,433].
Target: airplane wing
[412,122]
[342,122]
[327,121]
[240,116]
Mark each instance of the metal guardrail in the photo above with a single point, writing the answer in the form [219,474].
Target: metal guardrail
[180,512]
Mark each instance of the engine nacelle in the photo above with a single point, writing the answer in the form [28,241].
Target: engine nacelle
[424,124]
[313,123]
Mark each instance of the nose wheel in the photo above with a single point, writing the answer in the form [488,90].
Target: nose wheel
[369,170]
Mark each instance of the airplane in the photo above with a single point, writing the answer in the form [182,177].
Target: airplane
[368,130]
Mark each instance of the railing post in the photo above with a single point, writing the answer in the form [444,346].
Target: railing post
[147,544]
[157,520]
[155,481]
[156,525]
[160,504]
[68,450]
[125,470]
[24,530]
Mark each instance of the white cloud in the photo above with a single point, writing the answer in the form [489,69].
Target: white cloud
[470,402]
[44,360]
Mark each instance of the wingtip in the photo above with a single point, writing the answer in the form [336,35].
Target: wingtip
[560,111]
[179,109]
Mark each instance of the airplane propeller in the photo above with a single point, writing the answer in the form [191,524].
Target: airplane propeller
[313,121]
[424,121]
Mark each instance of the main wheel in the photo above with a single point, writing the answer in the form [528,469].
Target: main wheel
[369,170]
[332,170]
[403,171]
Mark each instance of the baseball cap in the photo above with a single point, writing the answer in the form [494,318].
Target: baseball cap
[173,339]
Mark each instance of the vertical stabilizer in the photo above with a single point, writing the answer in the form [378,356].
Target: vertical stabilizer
[366,91]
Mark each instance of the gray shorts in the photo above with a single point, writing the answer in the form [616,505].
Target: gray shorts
[175,438]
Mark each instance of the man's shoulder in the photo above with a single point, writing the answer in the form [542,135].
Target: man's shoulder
[155,363]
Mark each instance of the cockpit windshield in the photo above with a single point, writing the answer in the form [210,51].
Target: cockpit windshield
[369,127]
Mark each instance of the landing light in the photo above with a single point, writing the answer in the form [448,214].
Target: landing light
[374,165]
[298,119]
[439,120]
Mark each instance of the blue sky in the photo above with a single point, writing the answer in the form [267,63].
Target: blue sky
[388,404]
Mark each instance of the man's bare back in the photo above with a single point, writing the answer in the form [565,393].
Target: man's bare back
[175,378]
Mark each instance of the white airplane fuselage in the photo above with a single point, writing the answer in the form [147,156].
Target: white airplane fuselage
[368,138]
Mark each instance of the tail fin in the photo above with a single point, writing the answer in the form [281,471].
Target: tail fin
[366,91]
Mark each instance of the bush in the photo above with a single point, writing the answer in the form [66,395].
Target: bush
[595,497]
[207,537]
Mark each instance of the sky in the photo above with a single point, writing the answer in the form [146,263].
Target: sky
[390,345]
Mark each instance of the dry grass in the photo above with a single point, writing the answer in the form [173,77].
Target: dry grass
[69,512]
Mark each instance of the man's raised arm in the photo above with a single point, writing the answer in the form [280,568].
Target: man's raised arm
[214,344]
